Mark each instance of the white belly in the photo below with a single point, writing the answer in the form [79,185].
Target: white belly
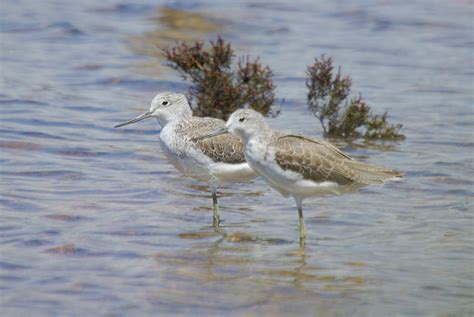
[188,165]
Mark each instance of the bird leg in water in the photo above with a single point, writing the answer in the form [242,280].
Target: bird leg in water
[215,217]
[302,226]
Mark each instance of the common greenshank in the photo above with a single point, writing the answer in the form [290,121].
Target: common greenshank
[297,165]
[215,160]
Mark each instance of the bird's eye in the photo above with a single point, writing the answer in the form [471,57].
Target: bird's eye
[241,119]
[164,103]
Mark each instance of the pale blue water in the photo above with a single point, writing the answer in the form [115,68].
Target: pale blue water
[94,221]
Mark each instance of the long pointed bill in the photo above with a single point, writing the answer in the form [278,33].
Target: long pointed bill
[139,118]
[220,131]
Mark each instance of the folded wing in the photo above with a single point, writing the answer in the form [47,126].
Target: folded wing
[320,161]
[224,148]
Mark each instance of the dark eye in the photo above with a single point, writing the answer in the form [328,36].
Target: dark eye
[241,119]
[164,103]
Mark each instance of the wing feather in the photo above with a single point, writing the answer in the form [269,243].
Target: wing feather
[319,161]
[224,148]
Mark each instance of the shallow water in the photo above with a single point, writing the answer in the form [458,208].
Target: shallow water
[94,221]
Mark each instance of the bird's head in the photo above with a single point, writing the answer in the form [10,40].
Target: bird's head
[165,107]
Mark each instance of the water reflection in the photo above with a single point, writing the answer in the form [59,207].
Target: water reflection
[228,261]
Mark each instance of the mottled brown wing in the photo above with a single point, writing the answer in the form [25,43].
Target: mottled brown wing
[224,148]
[319,161]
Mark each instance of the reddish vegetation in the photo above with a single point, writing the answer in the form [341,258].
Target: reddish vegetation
[340,117]
[219,88]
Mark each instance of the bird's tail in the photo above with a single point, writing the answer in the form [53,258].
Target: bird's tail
[371,174]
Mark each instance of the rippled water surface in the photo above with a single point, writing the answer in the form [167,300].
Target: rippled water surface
[95,221]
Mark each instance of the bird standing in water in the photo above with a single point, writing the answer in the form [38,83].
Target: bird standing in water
[214,161]
[297,165]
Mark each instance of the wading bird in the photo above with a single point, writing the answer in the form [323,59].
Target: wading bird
[214,161]
[297,165]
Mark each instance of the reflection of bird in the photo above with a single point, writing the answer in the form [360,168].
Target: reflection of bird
[214,161]
[296,165]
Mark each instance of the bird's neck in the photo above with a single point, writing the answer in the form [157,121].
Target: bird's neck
[170,117]
[262,132]
[261,137]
